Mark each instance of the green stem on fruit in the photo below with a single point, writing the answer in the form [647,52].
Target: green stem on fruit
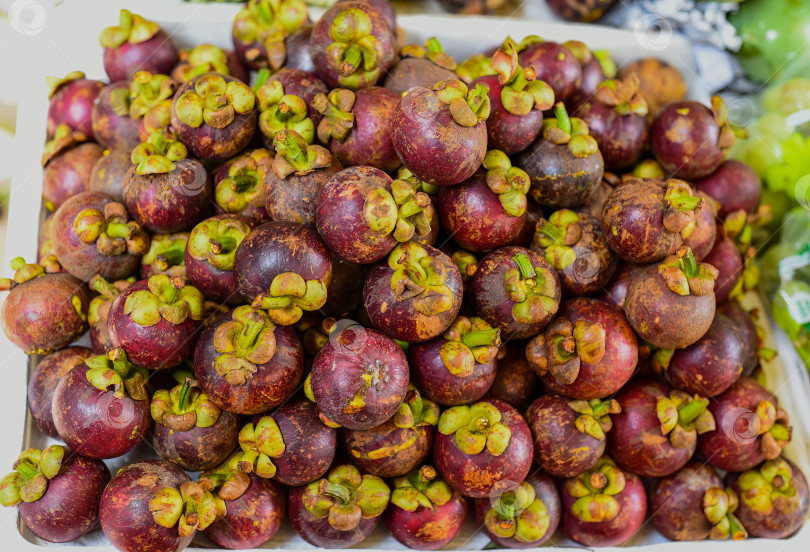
[563,120]
[335,490]
[689,412]
[481,338]
[223,244]
[525,265]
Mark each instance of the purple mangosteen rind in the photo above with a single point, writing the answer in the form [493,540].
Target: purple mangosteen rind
[554,63]
[71,101]
[420,66]
[136,44]
[209,256]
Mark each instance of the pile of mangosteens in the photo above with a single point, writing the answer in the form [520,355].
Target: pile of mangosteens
[343,279]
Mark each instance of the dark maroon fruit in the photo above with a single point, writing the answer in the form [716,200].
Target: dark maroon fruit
[552,63]
[246,364]
[113,127]
[101,407]
[166,255]
[71,102]
[420,66]
[67,164]
[45,481]
[728,261]
[524,515]
[603,506]
[258,34]
[439,145]
[44,379]
[425,513]
[297,45]
[615,292]
[109,172]
[99,310]
[340,510]
[690,140]
[459,366]
[515,381]
[703,236]
[45,308]
[481,447]
[581,11]
[593,73]
[136,45]
[209,256]
[533,213]
[345,291]
[734,185]
[750,428]
[239,185]
[516,291]
[661,296]
[569,435]
[284,268]
[749,335]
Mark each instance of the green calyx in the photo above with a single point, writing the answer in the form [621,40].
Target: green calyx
[420,185]
[685,276]
[115,373]
[728,133]
[623,95]
[355,52]
[595,491]
[244,184]
[344,497]
[244,342]
[683,417]
[32,470]
[557,236]
[111,231]
[681,207]
[289,296]
[205,58]
[402,211]
[167,255]
[469,341]
[260,443]
[226,481]
[24,272]
[338,119]
[518,514]
[294,155]
[719,506]
[158,154]
[431,51]
[474,67]
[189,508]
[146,91]
[214,101]
[770,488]
[415,411]
[55,83]
[467,107]
[774,429]
[476,427]
[100,305]
[421,278]
[267,23]
[521,92]
[166,298]
[605,62]
[649,168]
[420,488]
[573,131]
[511,184]
[532,289]
[216,240]
[183,408]
[466,262]
[279,111]
[594,416]
[63,139]
[131,28]
[564,346]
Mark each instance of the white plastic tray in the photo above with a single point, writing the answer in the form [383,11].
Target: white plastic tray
[68,41]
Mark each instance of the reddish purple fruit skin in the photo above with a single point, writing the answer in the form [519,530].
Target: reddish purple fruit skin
[431,144]
[726,258]
[428,529]
[44,379]
[82,260]
[773,524]
[109,172]
[297,44]
[621,138]
[318,531]
[213,282]
[345,291]
[383,7]
[68,173]
[506,131]
[474,218]
[95,423]
[439,385]
[709,366]
[546,491]
[399,318]
[199,448]
[295,198]
[156,55]
[515,381]
[80,482]
[676,502]
[533,213]
[615,292]
[253,518]
[162,346]
[734,446]
[337,375]
[476,475]
[592,77]
[554,64]
[560,449]
[734,185]
[490,299]
[360,443]
[748,334]
[309,445]
[410,72]
[170,202]
[636,442]
[604,378]
[686,145]
[125,516]
[72,105]
[704,235]
[633,509]
[302,83]
[269,386]
[113,130]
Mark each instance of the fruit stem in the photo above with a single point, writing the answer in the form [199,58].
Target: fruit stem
[481,338]
[264,13]
[185,393]
[481,424]
[417,203]
[687,261]
[525,265]
[242,182]
[105,288]
[476,98]
[335,490]
[523,78]
[549,230]
[566,347]
[689,412]
[563,120]
[433,45]
[603,408]
[121,365]
[27,470]
[685,203]
[425,475]
[252,328]
[223,244]
[351,59]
